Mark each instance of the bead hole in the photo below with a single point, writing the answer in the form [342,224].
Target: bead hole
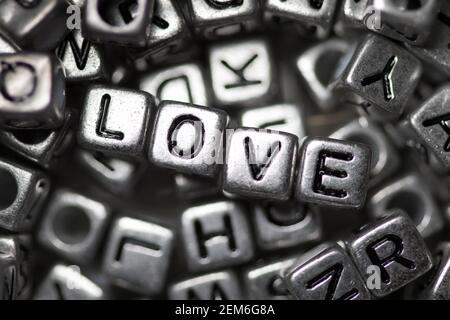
[72,225]
[8,187]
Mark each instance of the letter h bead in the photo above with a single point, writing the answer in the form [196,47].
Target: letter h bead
[216,235]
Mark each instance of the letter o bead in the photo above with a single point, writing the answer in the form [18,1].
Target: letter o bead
[188,138]
[333,172]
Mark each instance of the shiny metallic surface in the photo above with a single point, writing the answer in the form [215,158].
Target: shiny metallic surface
[279,117]
[25,190]
[81,58]
[435,51]
[436,283]
[260,164]
[119,22]
[38,26]
[284,225]
[183,83]
[224,150]
[137,256]
[333,172]
[66,283]
[32,94]
[307,276]
[214,19]
[44,146]
[168,32]
[14,269]
[116,175]
[385,158]
[107,125]
[379,74]
[216,235]
[74,225]
[264,281]
[429,124]
[401,22]
[188,138]
[411,195]
[315,17]
[242,73]
[396,247]
[6,46]
[316,68]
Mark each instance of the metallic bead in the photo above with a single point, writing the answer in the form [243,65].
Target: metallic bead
[436,284]
[182,83]
[314,17]
[284,225]
[119,22]
[137,255]
[242,73]
[356,16]
[24,191]
[217,18]
[394,245]
[380,76]
[412,195]
[14,268]
[168,34]
[222,285]
[263,281]
[187,138]
[33,24]
[333,172]
[6,46]
[74,226]
[280,117]
[81,58]
[32,91]
[403,21]
[43,146]
[115,121]
[216,235]
[429,123]
[385,158]
[116,175]
[326,272]
[260,163]
[316,68]
[436,50]
[67,283]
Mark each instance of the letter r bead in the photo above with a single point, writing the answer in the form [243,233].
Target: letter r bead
[395,246]
[333,172]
